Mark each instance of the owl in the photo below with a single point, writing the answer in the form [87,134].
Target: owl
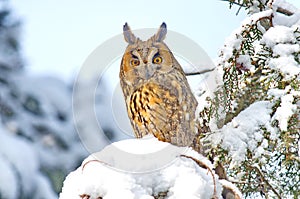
[158,98]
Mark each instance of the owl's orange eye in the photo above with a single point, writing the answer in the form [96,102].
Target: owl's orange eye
[157,60]
[135,62]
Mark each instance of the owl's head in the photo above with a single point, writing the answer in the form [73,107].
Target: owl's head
[144,60]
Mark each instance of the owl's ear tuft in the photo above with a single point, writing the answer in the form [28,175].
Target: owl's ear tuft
[161,33]
[128,35]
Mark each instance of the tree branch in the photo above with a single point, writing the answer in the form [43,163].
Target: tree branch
[260,173]
[284,11]
[198,73]
[279,9]
[202,165]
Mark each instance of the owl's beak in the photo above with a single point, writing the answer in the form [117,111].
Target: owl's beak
[148,72]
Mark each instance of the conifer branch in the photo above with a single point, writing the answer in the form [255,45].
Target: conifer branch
[260,173]
[279,9]
[198,72]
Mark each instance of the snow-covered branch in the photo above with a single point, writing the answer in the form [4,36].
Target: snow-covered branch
[260,99]
[143,168]
[283,10]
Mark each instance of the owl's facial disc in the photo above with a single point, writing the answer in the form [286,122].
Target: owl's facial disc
[145,60]
[140,63]
[152,61]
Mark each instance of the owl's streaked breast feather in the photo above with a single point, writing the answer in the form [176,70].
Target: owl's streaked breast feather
[152,108]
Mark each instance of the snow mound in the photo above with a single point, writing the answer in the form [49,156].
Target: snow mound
[143,168]
[244,132]
[17,180]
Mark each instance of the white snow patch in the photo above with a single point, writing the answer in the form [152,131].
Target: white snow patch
[284,5]
[256,16]
[285,49]
[287,65]
[278,34]
[109,175]
[43,188]
[299,148]
[284,20]
[245,60]
[20,166]
[228,184]
[244,131]
[8,180]
[234,41]
[278,93]
[285,111]
[19,152]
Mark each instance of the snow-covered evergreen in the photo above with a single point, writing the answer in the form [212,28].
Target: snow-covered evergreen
[260,96]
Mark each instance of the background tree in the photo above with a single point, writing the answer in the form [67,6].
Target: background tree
[39,144]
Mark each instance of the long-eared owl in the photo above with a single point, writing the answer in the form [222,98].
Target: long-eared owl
[158,97]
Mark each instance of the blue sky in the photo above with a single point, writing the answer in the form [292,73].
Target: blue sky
[59,35]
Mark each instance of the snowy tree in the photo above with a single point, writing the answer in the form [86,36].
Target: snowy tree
[39,144]
[257,106]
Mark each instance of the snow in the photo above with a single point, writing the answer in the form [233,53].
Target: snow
[17,180]
[38,139]
[9,58]
[228,184]
[285,111]
[285,5]
[278,34]
[299,148]
[108,175]
[245,61]
[32,142]
[278,93]
[244,132]
[287,65]
[234,41]
[282,40]
[7,190]
[43,188]
[285,49]
[287,106]
[8,149]
[251,135]
[52,127]
[237,135]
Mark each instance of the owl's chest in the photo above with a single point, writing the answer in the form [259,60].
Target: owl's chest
[152,108]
